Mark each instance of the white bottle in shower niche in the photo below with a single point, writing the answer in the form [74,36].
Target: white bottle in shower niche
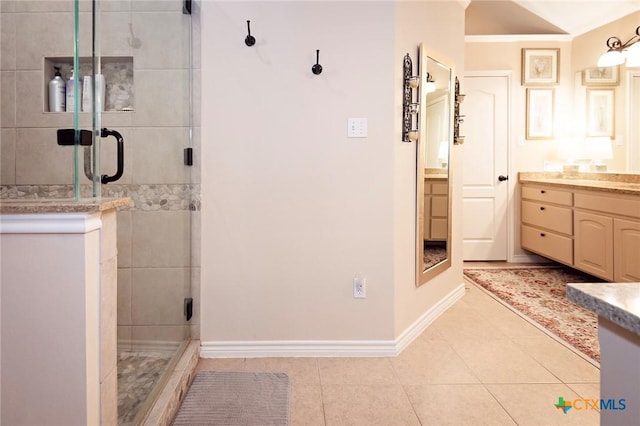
[87,94]
[70,92]
[100,91]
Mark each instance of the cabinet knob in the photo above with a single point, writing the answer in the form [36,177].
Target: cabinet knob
[542,191]
[542,234]
[541,208]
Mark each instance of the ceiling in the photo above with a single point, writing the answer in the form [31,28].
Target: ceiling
[567,17]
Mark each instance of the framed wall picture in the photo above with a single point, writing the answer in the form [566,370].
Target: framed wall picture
[540,67]
[601,76]
[539,118]
[600,112]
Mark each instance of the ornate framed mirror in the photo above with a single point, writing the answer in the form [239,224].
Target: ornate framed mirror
[433,186]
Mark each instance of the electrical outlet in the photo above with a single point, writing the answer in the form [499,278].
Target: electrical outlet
[359,287]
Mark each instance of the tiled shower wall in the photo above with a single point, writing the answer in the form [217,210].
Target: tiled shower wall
[158,259]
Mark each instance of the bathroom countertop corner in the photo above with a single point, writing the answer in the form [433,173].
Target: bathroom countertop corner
[617,302]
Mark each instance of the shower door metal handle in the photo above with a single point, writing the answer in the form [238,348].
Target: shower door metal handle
[120,141]
[84,138]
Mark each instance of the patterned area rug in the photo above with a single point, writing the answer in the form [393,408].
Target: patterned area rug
[540,294]
[434,255]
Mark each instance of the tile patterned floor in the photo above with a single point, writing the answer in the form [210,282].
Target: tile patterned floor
[138,373]
[478,364]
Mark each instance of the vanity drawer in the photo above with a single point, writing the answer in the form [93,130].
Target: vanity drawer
[607,203]
[440,188]
[548,244]
[547,195]
[556,218]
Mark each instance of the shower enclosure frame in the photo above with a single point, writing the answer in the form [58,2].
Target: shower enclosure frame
[157,269]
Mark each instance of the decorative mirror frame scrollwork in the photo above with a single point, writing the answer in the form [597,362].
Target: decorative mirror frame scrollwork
[446,92]
[457,118]
[410,107]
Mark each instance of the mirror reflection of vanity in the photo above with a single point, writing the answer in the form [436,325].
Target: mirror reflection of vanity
[433,227]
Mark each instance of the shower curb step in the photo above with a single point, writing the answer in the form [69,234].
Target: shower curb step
[166,405]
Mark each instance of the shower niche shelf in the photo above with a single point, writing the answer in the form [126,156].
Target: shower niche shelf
[118,76]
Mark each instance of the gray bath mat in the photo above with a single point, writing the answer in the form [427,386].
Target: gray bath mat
[236,398]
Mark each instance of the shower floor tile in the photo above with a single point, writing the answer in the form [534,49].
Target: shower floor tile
[138,372]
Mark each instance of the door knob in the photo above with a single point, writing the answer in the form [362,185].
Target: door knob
[502,178]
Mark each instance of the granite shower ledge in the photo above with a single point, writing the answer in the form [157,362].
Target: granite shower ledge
[50,205]
[617,302]
[603,182]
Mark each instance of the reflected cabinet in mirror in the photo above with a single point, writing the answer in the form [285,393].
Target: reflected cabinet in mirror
[433,227]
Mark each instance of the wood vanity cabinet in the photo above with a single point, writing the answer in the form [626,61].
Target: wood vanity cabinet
[426,209]
[593,231]
[439,209]
[547,223]
[593,244]
[626,250]
[436,205]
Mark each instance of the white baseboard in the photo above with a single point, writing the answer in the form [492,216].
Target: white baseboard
[416,329]
[529,258]
[330,348]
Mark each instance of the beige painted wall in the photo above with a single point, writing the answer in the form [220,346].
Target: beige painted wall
[440,26]
[587,48]
[292,208]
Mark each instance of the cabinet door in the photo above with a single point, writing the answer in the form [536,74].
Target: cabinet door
[426,219]
[626,250]
[593,244]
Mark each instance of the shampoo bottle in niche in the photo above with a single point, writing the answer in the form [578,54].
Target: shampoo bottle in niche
[71,91]
[57,91]
[100,92]
[87,94]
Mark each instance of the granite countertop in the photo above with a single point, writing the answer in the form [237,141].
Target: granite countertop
[605,182]
[441,178]
[62,205]
[436,174]
[617,302]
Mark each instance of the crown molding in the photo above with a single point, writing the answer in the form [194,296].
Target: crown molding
[514,38]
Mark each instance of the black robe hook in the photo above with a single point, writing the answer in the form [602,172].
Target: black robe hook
[317,68]
[249,40]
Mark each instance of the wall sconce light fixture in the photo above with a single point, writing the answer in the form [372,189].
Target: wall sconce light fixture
[410,108]
[457,118]
[620,52]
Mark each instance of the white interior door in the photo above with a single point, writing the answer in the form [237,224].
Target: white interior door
[485,191]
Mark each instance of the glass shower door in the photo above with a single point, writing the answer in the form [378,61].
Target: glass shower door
[142,51]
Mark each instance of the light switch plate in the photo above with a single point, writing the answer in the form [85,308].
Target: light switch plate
[357,128]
